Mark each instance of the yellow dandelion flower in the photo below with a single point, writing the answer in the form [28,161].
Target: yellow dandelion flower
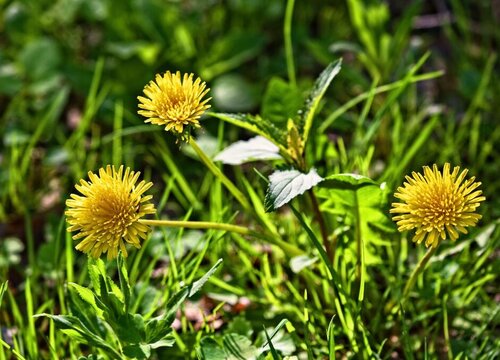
[437,204]
[174,102]
[109,211]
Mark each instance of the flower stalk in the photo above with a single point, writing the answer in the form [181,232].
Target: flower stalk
[288,248]
[416,272]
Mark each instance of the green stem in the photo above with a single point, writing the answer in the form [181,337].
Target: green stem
[287,32]
[322,225]
[218,174]
[288,248]
[414,275]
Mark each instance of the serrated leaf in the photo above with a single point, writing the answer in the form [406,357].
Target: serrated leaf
[201,281]
[315,96]
[257,125]
[240,152]
[288,184]
[124,281]
[96,268]
[87,295]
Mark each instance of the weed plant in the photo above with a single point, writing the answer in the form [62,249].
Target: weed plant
[266,210]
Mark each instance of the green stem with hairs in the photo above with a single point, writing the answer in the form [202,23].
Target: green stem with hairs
[288,248]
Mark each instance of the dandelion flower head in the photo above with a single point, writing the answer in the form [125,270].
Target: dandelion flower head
[174,102]
[106,215]
[437,204]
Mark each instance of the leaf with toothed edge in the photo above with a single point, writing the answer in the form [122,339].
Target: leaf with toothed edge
[315,96]
[286,185]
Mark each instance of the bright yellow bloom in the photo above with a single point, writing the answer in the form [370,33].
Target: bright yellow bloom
[174,102]
[109,211]
[437,204]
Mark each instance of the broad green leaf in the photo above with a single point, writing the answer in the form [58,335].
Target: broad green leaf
[281,102]
[137,351]
[196,286]
[210,350]
[257,148]
[288,184]
[364,202]
[130,328]
[315,96]
[239,347]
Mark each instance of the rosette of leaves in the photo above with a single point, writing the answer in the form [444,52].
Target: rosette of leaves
[101,316]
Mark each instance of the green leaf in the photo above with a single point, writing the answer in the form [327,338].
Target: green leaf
[315,96]
[124,281]
[347,181]
[196,286]
[364,202]
[96,268]
[159,327]
[79,331]
[281,340]
[137,351]
[288,184]
[239,347]
[240,325]
[240,152]
[167,341]
[257,125]
[281,102]
[41,58]
[210,350]
[87,295]
[130,328]
[3,288]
